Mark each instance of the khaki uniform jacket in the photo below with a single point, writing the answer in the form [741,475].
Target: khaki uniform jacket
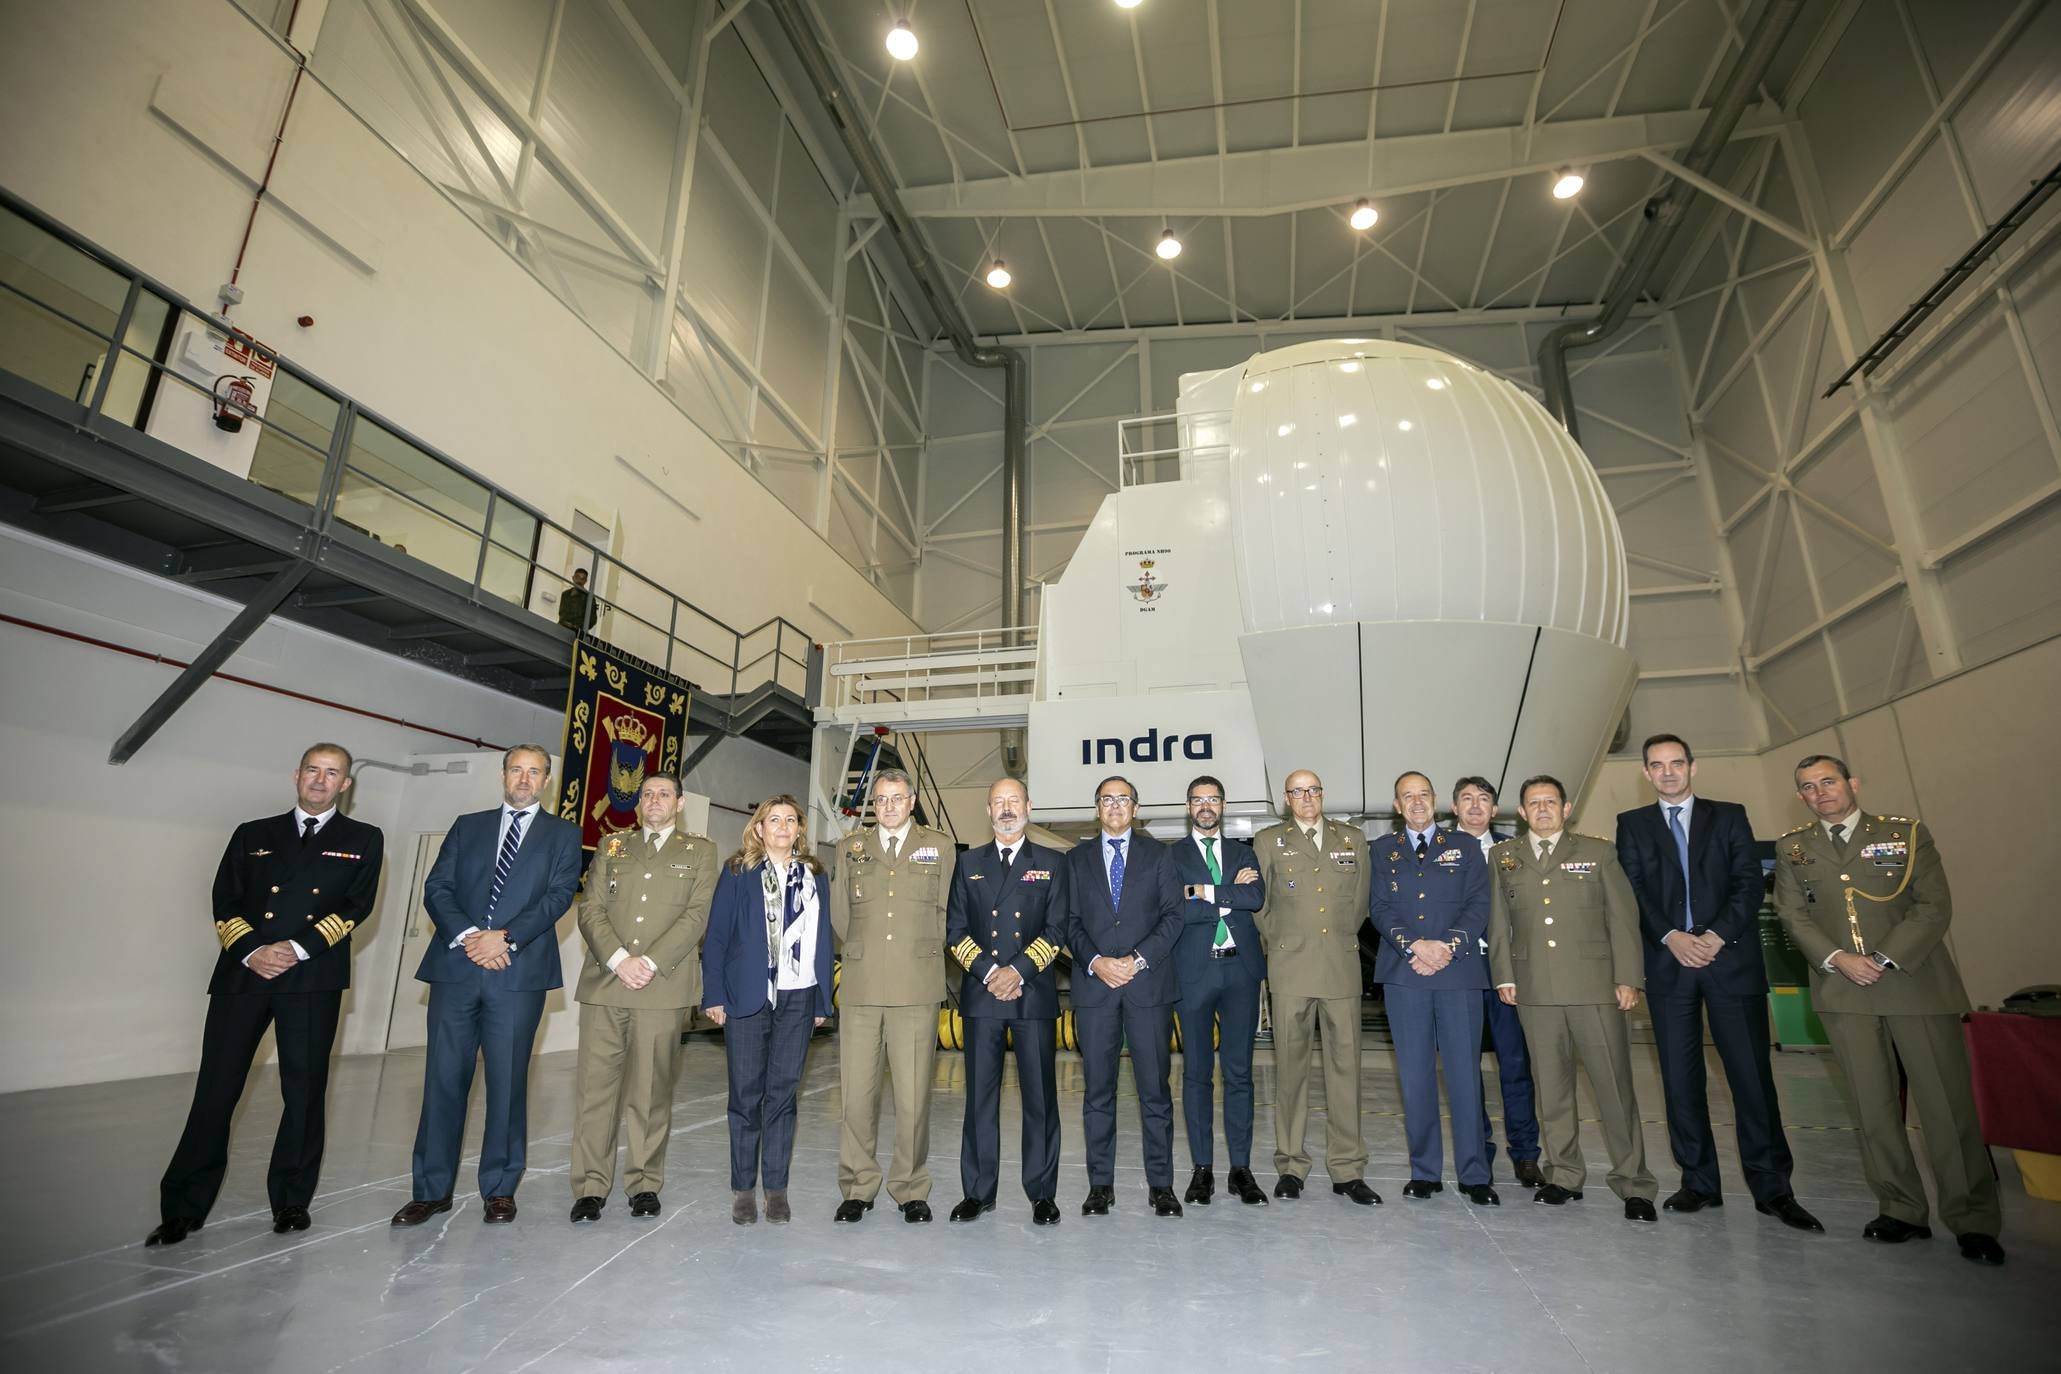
[890,918]
[1885,855]
[656,906]
[1316,900]
[1566,932]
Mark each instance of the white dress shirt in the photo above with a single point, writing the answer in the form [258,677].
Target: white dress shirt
[900,837]
[1209,890]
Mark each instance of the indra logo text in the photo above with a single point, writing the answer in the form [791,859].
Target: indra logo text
[1150,747]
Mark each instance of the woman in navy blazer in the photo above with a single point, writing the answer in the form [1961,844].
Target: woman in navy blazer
[765,971]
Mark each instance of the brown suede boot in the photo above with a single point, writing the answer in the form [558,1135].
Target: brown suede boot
[744,1208]
[777,1210]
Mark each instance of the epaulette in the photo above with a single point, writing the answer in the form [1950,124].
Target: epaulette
[1799,829]
[1901,820]
[1582,835]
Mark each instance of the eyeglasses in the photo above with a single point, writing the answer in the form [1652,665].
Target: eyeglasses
[1205,801]
[1109,803]
[1305,792]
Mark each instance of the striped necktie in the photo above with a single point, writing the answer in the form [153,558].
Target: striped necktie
[509,844]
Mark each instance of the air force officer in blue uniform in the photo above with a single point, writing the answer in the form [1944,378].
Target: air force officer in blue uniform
[1124,913]
[1428,903]
[1221,966]
[1005,921]
[495,893]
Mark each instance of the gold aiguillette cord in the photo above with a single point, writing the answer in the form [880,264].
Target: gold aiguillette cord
[1853,916]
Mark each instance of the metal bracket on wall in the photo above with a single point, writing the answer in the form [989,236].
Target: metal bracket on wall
[233,636]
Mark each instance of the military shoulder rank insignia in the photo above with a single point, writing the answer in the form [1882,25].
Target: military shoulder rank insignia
[1797,831]
[925,855]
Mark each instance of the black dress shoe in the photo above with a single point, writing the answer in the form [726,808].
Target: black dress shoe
[586,1209]
[1481,1194]
[1786,1210]
[172,1230]
[1423,1187]
[1980,1248]
[1553,1195]
[644,1204]
[1098,1202]
[1164,1203]
[1201,1184]
[969,1209]
[852,1209]
[1288,1186]
[1243,1186]
[1690,1200]
[915,1212]
[1045,1212]
[286,1219]
[1893,1231]
[1528,1173]
[500,1211]
[417,1212]
[1358,1191]
[1640,1209]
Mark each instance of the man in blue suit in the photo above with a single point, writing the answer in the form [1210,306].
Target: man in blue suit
[1123,915]
[495,893]
[1692,864]
[1474,812]
[1010,984]
[1428,903]
[1221,966]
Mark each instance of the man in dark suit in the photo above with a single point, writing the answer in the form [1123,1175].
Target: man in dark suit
[290,890]
[1691,863]
[1009,986]
[1428,905]
[495,893]
[1474,812]
[1221,966]
[1123,915]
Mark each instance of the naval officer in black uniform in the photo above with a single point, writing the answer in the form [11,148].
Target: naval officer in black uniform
[1009,986]
[290,890]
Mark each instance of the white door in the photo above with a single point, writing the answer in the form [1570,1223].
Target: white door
[408,1026]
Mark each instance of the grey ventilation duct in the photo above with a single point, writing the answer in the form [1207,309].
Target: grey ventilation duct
[937,294]
[1666,210]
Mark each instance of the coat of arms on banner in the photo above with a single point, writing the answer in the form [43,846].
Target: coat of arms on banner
[625,719]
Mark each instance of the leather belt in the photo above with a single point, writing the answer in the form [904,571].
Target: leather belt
[1227,952]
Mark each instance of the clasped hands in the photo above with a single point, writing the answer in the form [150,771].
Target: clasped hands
[1857,969]
[1115,971]
[1006,985]
[489,949]
[1429,956]
[1693,951]
[634,972]
[272,960]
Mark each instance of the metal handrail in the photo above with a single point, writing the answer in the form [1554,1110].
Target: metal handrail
[336,462]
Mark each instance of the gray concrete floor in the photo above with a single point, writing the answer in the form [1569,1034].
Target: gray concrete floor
[1318,1283]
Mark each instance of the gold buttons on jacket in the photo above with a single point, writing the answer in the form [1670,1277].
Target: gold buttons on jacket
[275,887]
[640,920]
[1548,902]
[1552,944]
[890,935]
[647,877]
[1549,920]
[1844,879]
[268,915]
[316,890]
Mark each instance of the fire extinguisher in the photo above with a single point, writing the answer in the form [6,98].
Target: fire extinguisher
[233,397]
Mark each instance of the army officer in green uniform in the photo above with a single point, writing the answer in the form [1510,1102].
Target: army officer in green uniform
[641,921]
[1315,873]
[1564,950]
[1865,898]
[887,906]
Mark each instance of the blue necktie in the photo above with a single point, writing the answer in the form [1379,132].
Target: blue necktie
[509,844]
[1116,872]
[1674,823]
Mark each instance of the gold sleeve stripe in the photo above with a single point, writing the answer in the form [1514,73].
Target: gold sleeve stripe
[966,952]
[1042,953]
[334,928]
[230,931]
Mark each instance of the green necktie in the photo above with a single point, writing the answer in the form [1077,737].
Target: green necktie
[1216,877]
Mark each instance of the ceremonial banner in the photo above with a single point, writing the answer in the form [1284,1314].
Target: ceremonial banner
[625,719]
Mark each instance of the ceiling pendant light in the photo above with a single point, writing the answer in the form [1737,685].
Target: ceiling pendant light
[1567,184]
[1364,214]
[1128,4]
[998,275]
[901,41]
[1169,247]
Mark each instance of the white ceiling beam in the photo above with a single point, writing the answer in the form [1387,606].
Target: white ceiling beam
[1272,181]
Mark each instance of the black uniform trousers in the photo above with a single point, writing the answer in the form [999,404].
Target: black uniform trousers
[305,1028]
[980,1140]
